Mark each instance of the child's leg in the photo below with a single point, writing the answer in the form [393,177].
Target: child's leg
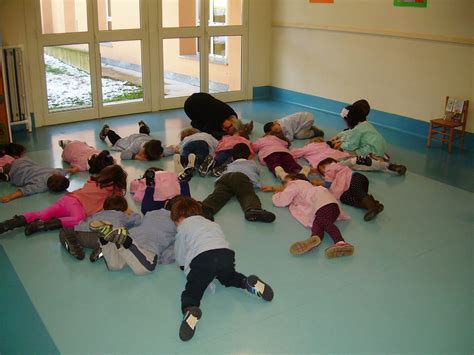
[223,156]
[112,136]
[203,271]
[67,209]
[306,130]
[289,164]
[324,220]
[88,240]
[226,273]
[222,193]
[199,148]
[148,202]
[243,189]
[273,160]
[113,259]
[358,189]
[141,261]
[184,187]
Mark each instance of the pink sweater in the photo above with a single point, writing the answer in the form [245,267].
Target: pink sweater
[315,152]
[167,186]
[269,144]
[6,159]
[228,142]
[77,154]
[340,176]
[304,200]
[92,196]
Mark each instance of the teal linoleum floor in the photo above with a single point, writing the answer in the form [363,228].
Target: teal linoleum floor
[407,289]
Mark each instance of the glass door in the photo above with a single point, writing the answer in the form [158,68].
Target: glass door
[202,44]
[93,58]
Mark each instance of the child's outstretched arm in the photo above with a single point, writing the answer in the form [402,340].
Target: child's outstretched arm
[72,170]
[271,188]
[12,196]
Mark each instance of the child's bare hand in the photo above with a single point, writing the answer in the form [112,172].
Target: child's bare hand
[317,182]
[5,199]
[267,188]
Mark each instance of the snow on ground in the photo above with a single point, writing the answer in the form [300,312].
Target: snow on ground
[70,87]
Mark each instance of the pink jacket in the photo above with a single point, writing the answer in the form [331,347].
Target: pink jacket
[77,154]
[6,159]
[340,176]
[315,152]
[304,200]
[267,145]
[228,142]
[167,186]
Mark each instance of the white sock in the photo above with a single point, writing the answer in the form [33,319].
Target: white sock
[280,173]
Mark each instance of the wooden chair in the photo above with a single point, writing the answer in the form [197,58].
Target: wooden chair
[448,124]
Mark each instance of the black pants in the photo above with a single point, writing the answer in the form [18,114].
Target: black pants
[233,184]
[358,189]
[88,240]
[219,264]
[114,137]
[199,148]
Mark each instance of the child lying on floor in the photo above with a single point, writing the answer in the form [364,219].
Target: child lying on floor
[299,125]
[83,157]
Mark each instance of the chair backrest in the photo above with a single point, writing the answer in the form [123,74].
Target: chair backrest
[464,112]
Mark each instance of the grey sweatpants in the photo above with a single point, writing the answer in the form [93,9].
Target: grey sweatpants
[141,261]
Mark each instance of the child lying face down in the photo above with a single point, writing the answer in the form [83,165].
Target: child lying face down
[83,157]
[299,125]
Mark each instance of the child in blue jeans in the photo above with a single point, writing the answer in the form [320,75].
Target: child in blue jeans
[203,253]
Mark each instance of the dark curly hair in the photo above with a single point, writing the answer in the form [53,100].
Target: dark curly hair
[97,162]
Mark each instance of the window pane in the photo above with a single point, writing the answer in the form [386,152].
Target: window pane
[225,64]
[118,14]
[63,16]
[225,12]
[181,13]
[121,66]
[181,66]
[68,81]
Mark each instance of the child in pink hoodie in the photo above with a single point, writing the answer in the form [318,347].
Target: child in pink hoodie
[316,150]
[316,208]
[83,157]
[348,187]
[274,153]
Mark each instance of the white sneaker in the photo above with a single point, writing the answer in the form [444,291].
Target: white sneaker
[64,142]
[305,170]
[178,167]
[191,161]
[280,173]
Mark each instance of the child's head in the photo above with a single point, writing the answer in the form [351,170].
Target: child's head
[112,175]
[323,164]
[187,132]
[185,207]
[271,127]
[231,124]
[169,203]
[315,140]
[353,115]
[97,162]
[57,183]
[363,105]
[12,149]
[116,203]
[240,151]
[153,150]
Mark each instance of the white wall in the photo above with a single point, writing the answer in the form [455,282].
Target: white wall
[409,77]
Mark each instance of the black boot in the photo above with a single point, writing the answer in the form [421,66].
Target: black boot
[69,241]
[371,206]
[399,169]
[39,225]
[259,215]
[10,224]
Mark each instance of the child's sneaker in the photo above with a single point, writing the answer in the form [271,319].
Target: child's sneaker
[189,322]
[399,169]
[103,132]
[178,167]
[257,287]
[339,249]
[4,177]
[191,161]
[143,127]
[217,171]
[367,161]
[63,143]
[305,170]
[206,165]
[72,246]
[186,174]
[280,173]
[259,215]
[96,255]
[305,246]
[149,177]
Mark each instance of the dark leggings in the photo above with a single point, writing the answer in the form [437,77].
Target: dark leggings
[211,264]
[223,156]
[324,222]
[283,159]
[149,204]
[358,189]
[114,137]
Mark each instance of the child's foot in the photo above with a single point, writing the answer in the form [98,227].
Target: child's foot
[72,246]
[178,167]
[367,161]
[305,246]
[217,171]
[188,325]
[259,215]
[280,173]
[63,143]
[103,132]
[399,169]
[143,127]
[305,170]
[206,165]
[339,249]
[4,177]
[149,177]
[186,174]
[96,255]
[257,287]
[191,161]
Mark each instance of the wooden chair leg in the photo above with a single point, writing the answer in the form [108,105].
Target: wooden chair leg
[444,137]
[451,139]
[428,142]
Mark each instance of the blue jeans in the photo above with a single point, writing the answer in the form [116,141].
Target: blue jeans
[223,156]
[199,148]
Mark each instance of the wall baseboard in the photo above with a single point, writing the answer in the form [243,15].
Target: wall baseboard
[393,121]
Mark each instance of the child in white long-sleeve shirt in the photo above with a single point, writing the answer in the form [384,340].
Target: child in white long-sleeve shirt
[299,125]
[203,252]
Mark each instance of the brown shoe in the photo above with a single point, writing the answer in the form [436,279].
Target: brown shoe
[339,249]
[305,246]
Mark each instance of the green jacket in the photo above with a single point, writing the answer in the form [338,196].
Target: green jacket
[364,139]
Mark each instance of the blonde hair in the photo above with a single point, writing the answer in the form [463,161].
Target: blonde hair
[187,132]
[316,140]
